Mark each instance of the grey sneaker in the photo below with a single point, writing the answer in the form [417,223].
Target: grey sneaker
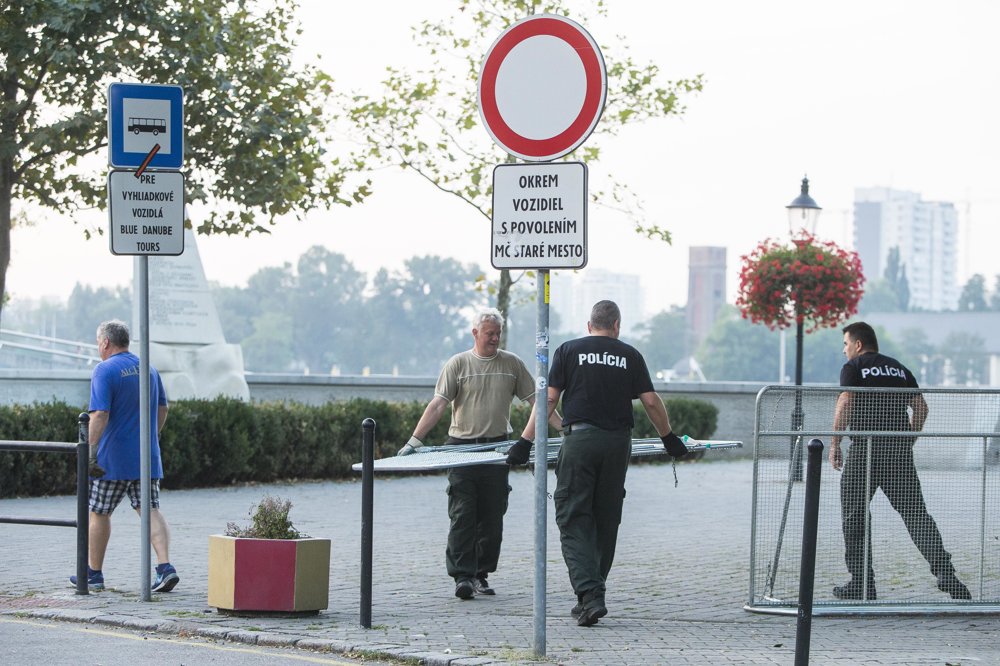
[464,589]
[575,611]
[482,586]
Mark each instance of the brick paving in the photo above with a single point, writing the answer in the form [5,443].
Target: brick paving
[675,595]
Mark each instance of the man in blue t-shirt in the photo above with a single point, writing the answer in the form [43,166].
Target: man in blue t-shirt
[114,452]
[597,377]
[891,462]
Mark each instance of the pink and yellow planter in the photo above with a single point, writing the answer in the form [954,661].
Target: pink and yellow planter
[268,575]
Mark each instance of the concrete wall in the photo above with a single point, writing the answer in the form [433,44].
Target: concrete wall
[735,400]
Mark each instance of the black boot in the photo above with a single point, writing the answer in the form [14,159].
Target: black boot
[952,585]
[853,591]
[593,609]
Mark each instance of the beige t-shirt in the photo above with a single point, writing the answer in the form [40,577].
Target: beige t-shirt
[480,391]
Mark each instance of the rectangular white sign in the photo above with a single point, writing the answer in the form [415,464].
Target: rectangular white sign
[539,215]
[147,213]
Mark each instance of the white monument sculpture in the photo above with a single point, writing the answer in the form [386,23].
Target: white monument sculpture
[186,343]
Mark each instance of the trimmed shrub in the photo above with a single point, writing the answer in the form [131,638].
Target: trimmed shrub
[225,441]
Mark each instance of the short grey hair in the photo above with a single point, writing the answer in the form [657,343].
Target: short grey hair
[487,314]
[116,332]
[604,315]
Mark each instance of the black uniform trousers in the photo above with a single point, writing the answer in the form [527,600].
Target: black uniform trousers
[590,491]
[893,471]
[477,502]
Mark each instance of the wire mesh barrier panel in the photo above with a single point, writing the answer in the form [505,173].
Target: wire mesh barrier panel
[933,519]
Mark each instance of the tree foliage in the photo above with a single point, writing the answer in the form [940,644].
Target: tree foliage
[255,137]
[427,120]
[895,277]
[973,297]
[323,315]
[663,339]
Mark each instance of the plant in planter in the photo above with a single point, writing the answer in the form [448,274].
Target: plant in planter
[268,566]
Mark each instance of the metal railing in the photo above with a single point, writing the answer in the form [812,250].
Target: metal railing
[951,465]
[82,489]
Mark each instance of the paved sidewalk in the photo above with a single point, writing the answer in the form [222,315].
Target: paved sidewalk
[675,595]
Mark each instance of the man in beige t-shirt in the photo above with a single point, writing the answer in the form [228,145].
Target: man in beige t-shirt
[480,385]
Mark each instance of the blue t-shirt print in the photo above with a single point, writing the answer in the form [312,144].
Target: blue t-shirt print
[114,388]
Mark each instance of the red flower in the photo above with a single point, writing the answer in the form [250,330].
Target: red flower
[812,281]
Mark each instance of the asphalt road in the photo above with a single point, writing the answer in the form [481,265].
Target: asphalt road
[28,642]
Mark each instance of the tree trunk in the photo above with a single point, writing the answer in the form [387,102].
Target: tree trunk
[503,302]
[6,189]
[8,126]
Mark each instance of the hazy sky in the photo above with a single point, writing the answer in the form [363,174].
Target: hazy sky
[901,94]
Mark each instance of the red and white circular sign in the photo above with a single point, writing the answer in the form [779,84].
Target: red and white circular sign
[542,87]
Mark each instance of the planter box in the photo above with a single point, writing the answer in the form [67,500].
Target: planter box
[285,575]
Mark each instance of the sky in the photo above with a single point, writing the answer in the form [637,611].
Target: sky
[853,94]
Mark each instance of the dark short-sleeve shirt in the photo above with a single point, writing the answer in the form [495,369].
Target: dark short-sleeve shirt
[883,410]
[599,377]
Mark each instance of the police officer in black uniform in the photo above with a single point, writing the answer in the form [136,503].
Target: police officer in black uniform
[597,377]
[892,467]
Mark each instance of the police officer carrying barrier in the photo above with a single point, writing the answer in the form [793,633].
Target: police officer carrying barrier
[597,378]
[892,467]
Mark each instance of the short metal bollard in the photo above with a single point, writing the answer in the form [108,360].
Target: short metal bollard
[367,504]
[82,503]
[807,567]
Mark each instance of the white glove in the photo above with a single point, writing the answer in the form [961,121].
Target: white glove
[410,447]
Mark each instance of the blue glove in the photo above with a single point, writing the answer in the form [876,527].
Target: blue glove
[518,454]
[674,446]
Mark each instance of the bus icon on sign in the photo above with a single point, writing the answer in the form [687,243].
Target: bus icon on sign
[154,125]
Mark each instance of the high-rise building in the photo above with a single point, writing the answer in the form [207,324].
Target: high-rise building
[706,290]
[926,234]
[595,284]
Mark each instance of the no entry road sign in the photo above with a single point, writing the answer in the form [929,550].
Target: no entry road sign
[542,87]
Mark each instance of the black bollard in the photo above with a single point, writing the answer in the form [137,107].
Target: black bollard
[367,503]
[82,503]
[807,568]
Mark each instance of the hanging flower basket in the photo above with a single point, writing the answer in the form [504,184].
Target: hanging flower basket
[813,282]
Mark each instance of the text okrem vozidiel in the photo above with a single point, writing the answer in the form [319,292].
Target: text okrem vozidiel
[521,227]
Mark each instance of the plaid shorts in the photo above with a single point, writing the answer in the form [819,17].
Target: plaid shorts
[105,496]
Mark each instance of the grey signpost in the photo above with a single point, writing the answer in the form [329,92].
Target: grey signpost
[542,89]
[146,217]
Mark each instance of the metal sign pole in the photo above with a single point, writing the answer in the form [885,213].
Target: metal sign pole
[541,457]
[142,270]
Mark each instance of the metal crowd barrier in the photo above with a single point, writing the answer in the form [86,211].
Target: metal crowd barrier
[955,457]
[82,488]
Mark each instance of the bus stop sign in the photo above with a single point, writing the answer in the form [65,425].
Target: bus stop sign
[142,116]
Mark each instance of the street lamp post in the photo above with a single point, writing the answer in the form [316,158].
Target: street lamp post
[803,213]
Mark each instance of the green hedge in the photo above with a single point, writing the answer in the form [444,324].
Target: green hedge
[224,441]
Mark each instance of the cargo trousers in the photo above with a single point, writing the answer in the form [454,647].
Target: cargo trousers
[892,470]
[477,502]
[590,492]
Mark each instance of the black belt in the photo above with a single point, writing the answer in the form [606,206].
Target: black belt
[477,440]
[576,427]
